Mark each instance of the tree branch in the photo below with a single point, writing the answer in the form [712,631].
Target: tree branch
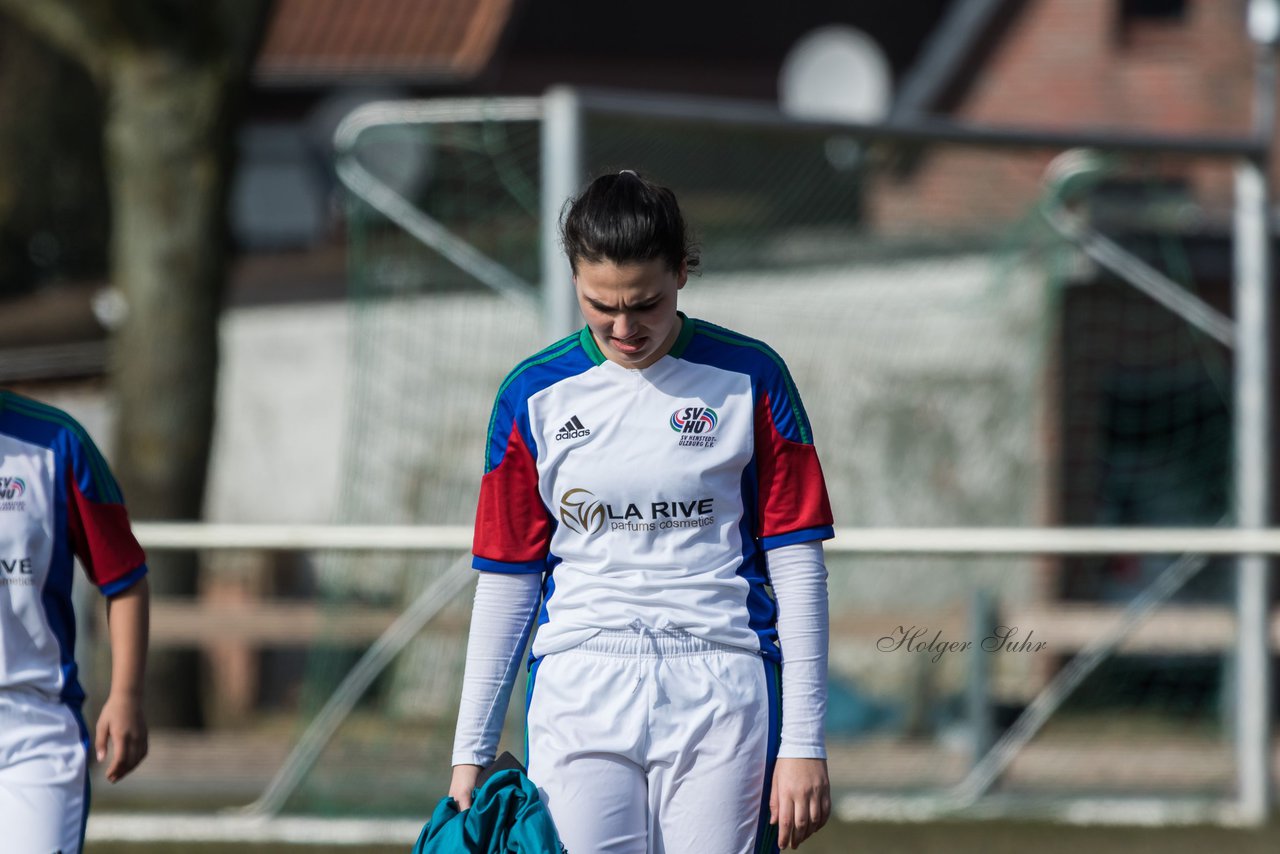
[245,26]
[70,26]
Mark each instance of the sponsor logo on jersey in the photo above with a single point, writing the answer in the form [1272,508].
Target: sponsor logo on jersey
[11,491]
[572,429]
[583,513]
[695,424]
[16,572]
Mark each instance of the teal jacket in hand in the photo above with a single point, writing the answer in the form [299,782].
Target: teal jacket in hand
[506,817]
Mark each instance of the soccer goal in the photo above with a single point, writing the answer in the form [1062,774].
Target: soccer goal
[1035,400]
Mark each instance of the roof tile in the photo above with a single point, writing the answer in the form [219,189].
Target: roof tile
[320,39]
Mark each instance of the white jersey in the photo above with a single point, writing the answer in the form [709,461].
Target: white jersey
[649,496]
[58,500]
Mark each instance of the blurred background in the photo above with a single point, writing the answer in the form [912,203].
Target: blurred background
[278,256]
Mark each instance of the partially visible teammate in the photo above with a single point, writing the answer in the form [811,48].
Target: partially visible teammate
[652,480]
[59,500]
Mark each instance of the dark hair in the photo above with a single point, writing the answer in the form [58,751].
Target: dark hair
[625,218]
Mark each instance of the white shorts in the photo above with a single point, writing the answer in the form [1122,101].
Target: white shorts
[44,781]
[655,742]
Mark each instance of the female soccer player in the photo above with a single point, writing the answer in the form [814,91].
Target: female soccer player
[58,499]
[652,481]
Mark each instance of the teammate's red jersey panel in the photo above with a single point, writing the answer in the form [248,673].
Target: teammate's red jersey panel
[664,484]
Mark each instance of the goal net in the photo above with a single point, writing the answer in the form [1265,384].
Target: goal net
[983,336]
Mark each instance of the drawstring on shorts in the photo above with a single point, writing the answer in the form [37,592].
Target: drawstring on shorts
[645,632]
[639,641]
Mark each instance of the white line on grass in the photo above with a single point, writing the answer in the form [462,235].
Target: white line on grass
[189,827]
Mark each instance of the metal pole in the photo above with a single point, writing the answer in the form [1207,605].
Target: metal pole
[561,174]
[668,107]
[981,713]
[1252,434]
[430,602]
[1252,460]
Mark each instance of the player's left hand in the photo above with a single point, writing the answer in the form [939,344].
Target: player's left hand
[121,725]
[800,802]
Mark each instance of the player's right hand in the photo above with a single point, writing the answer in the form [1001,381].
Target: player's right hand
[463,784]
[122,727]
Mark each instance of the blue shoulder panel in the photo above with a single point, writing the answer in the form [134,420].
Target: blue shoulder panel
[563,359]
[724,348]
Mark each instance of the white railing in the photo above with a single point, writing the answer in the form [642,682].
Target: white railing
[905,541]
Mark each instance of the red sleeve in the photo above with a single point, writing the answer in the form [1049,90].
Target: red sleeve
[793,502]
[513,529]
[102,539]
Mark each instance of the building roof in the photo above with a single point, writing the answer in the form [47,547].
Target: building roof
[449,41]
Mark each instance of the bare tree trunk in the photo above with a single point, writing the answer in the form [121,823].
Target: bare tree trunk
[172,73]
[166,166]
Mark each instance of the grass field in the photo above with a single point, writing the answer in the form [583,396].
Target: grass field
[940,838]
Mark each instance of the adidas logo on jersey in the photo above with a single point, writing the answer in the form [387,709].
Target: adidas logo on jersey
[572,429]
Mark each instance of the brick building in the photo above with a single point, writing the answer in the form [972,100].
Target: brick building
[1177,67]
[1140,409]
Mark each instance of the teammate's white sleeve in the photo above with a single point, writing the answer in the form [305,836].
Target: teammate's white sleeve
[501,617]
[798,575]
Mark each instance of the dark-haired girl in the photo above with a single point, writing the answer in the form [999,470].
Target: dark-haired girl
[653,502]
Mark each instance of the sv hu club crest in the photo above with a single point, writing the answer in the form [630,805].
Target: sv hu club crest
[12,488]
[694,419]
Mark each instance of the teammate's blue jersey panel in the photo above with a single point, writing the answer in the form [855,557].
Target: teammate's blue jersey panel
[650,495]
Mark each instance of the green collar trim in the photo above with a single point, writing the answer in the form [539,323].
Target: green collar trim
[683,339]
[589,344]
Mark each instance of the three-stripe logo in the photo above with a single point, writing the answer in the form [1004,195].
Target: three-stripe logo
[572,429]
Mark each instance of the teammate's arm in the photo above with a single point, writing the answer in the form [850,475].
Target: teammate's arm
[121,724]
[99,533]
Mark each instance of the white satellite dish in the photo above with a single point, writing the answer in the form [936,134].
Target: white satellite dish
[835,72]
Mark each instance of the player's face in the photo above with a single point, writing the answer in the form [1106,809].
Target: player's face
[631,308]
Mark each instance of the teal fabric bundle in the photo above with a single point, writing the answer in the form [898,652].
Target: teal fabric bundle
[506,817]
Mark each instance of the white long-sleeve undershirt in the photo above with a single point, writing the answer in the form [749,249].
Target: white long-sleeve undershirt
[501,617]
[798,576]
[503,614]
